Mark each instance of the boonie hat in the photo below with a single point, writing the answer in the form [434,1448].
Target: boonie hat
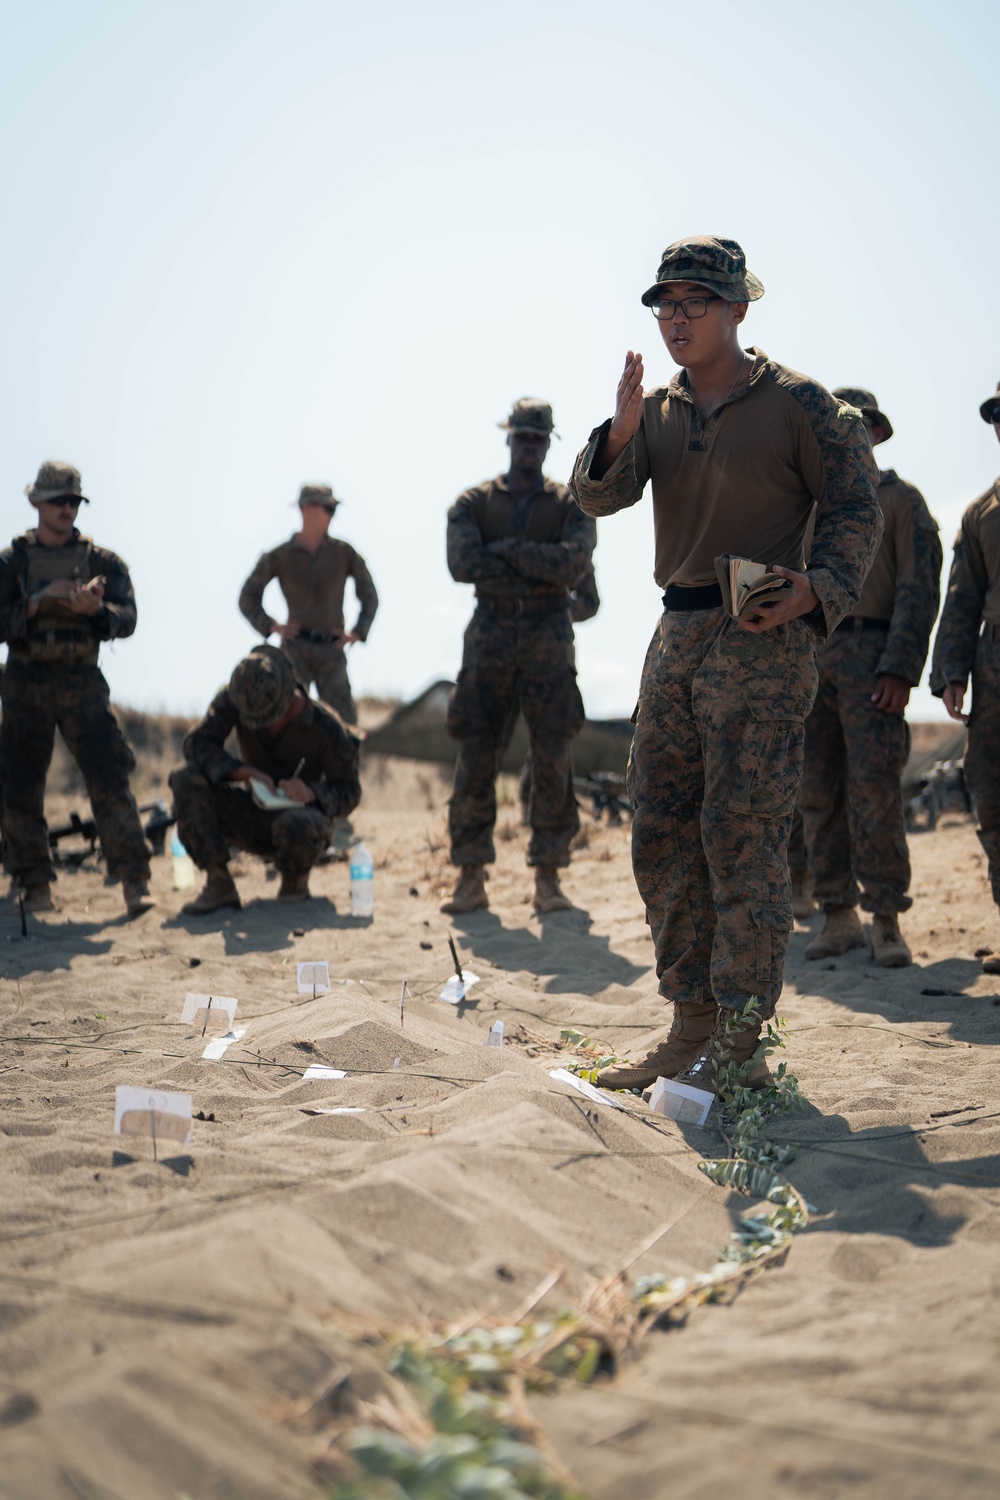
[989,404]
[55,479]
[867,405]
[716,263]
[529,415]
[262,686]
[318,494]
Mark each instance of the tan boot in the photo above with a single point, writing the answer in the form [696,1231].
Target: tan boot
[469,893]
[991,963]
[38,898]
[726,1046]
[889,948]
[803,905]
[294,887]
[220,890]
[137,897]
[691,1028]
[841,930]
[548,892]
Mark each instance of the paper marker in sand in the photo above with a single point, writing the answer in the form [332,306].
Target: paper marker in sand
[314,979]
[153,1113]
[215,1011]
[494,1037]
[460,983]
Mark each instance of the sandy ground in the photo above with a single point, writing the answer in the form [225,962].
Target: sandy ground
[188,1327]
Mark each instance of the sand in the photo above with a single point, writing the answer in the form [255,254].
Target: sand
[204,1325]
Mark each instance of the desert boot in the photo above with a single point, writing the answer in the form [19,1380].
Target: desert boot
[889,949]
[841,930]
[689,1031]
[549,894]
[220,890]
[469,893]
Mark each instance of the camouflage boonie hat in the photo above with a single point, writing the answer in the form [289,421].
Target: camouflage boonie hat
[867,405]
[262,686]
[56,479]
[990,405]
[718,264]
[530,415]
[318,494]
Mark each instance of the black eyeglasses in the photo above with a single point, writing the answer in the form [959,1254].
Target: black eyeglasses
[995,413]
[691,307]
[73,501]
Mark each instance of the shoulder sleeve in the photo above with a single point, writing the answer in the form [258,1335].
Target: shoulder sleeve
[621,485]
[252,593]
[204,744]
[468,560]
[339,791]
[917,586]
[366,592]
[839,468]
[13,595]
[117,620]
[962,616]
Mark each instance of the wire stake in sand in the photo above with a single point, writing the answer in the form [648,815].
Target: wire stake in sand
[149,1112]
[314,978]
[402,997]
[24,920]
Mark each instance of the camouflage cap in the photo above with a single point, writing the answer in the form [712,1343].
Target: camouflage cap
[529,415]
[55,479]
[990,405]
[717,264]
[318,494]
[262,686]
[868,407]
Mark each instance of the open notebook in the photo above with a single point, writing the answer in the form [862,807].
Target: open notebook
[746,584]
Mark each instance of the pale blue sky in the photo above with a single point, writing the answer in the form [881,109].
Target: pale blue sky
[249,244]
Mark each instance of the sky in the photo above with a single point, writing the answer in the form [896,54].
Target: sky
[251,244]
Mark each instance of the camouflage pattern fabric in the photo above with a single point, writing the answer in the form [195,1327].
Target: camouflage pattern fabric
[710,261]
[713,777]
[27,564]
[973,592]
[55,479]
[38,698]
[851,800]
[326,666]
[982,763]
[529,660]
[529,414]
[509,550]
[907,572]
[212,817]
[798,859]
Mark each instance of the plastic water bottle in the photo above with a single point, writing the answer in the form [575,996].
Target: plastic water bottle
[184,871]
[362,884]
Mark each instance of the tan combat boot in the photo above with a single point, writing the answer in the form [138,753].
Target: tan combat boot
[841,930]
[725,1047]
[548,892]
[469,893]
[220,890]
[137,897]
[690,1029]
[803,904]
[294,887]
[38,898]
[889,949]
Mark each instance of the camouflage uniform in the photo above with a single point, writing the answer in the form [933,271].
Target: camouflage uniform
[313,586]
[524,562]
[968,640]
[717,753]
[52,681]
[855,753]
[214,813]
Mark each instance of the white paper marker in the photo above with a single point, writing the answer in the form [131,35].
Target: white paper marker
[320,1070]
[494,1037]
[344,1109]
[314,979]
[153,1113]
[456,989]
[562,1075]
[218,1048]
[211,1012]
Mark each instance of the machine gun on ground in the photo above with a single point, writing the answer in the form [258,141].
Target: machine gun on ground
[605,790]
[940,788]
[155,829]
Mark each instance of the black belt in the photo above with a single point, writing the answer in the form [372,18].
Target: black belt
[544,605]
[853,622]
[709,596]
[319,637]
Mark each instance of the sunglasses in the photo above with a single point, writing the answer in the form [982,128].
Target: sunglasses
[62,501]
[995,413]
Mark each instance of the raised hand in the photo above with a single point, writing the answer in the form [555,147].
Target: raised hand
[628,414]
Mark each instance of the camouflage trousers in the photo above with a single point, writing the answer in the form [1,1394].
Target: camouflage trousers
[851,800]
[509,659]
[326,666]
[212,817]
[798,859]
[73,697]
[713,776]
[982,756]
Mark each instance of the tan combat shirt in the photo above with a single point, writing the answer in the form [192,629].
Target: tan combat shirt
[904,585]
[745,481]
[973,596]
[313,585]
